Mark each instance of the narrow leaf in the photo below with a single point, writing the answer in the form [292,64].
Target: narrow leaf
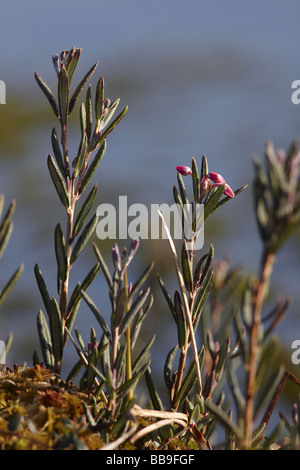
[45,341]
[142,355]
[58,181]
[168,367]
[97,313]
[80,87]
[103,266]
[155,398]
[84,237]
[89,112]
[142,279]
[63,95]
[133,311]
[48,93]
[12,281]
[72,61]
[55,323]
[111,126]
[5,236]
[76,294]
[60,252]
[196,181]
[180,320]
[84,211]
[57,151]
[167,296]
[42,287]
[99,98]
[189,379]
[186,267]
[81,155]
[212,200]
[93,167]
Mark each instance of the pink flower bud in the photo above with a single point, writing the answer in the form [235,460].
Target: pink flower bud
[216,178]
[184,170]
[228,191]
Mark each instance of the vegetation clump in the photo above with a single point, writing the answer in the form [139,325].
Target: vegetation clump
[223,376]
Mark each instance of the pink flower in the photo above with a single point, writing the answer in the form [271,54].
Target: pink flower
[184,170]
[227,191]
[216,178]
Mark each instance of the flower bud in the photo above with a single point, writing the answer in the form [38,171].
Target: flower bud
[216,178]
[228,191]
[184,170]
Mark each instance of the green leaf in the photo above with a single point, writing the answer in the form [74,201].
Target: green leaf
[42,287]
[181,324]
[2,200]
[58,182]
[99,98]
[133,311]
[45,341]
[60,252]
[204,167]
[48,93]
[196,181]
[189,380]
[154,395]
[142,355]
[222,416]
[12,281]
[57,151]
[186,267]
[141,280]
[167,296]
[74,371]
[111,126]
[81,155]
[201,299]
[76,294]
[121,303]
[168,367]
[130,384]
[72,61]
[6,226]
[5,235]
[97,313]
[63,95]
[80,87]
[182,189]
[84,238]
[82,115]
[89,112]
[84,211]
[103,266]
[212,200]
[107,117]
[93,167]
[56,331]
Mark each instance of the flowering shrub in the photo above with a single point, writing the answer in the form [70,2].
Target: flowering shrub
[227,372]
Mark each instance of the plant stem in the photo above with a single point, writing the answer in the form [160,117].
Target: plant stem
[128,345]
[186,304]
[267,264]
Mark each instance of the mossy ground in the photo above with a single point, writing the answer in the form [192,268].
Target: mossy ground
[38,411]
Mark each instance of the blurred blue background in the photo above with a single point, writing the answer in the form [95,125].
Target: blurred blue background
[198,77]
